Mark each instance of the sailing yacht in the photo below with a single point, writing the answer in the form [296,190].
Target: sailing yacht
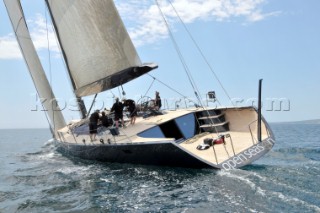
[99,55]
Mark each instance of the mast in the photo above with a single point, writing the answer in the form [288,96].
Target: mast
[259,111]
[81,105]
[33,63]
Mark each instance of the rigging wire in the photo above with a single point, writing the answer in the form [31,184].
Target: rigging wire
[205,59]
[113,96]
[92,104]
[120,97]
[201,53]
[166,85]
[184,64]
[191,80]
[150,86]
[50,73]
[123,92]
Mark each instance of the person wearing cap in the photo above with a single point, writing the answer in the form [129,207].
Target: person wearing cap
[131,106]
[117,108]
[93,124]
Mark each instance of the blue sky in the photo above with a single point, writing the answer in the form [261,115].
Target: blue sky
[243,41]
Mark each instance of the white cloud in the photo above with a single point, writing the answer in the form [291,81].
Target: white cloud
[42,34]
[144,22]
[258,16]
[9,48]
[149,27]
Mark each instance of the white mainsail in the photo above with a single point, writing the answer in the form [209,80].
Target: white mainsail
[98,51]
[37,73]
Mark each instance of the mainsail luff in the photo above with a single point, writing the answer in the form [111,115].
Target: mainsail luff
[80,102]
[97,48]
[31,58]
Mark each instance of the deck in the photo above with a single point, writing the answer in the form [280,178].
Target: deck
[127,134]
[240,140]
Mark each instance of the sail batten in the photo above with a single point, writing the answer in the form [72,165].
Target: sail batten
[95,44]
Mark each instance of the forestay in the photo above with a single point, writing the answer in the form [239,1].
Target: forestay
[97,49]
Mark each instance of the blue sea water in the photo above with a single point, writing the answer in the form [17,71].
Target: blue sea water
[36,178]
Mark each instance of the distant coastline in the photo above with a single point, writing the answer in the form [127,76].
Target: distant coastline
[314,121]
[20,128]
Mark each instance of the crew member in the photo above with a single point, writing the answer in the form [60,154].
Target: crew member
[157,101]
[93,125]
[131,106]
[117,108]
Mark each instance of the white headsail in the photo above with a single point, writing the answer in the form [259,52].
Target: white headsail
[34,65]
[97,49]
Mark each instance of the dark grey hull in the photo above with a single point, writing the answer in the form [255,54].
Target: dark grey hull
[159,154]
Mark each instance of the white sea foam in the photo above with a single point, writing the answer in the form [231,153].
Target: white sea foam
[75,169]
[106,180]
[291,200]
[244,179]
[46,156]
[294,188]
